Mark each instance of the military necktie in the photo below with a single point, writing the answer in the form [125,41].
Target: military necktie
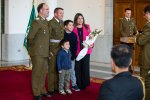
[59,22]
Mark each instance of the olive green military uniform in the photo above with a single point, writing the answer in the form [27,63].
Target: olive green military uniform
[144,41]
[127,28]
[38,49]
[56,34]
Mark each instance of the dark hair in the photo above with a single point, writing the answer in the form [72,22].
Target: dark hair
[40,6]
[63,41]
[121,55]
[58,8]
[66,22]
[147,9]
[76,18]
[127,9]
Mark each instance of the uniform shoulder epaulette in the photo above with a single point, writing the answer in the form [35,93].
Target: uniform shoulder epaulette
[121,19]
[143,84]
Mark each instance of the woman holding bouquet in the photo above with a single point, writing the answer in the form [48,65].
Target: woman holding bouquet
[82,67]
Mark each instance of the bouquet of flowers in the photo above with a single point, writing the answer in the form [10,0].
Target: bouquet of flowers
[90,39]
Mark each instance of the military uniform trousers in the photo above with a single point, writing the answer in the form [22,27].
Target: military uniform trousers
[64,79]
[52,75]
[39,70]
[145,73]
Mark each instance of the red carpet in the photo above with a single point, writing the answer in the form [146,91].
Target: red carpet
[16,85]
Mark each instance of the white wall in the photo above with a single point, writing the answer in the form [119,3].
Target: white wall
[93,11]
[103,45]
[17,14]
[98,13]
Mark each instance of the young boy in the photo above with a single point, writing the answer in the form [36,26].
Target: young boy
[69,35]
[64,67]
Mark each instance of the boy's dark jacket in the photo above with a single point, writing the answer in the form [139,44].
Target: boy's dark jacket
[73,43]
[63,60]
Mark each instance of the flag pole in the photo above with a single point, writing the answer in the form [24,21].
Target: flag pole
[32,17]
[30,63]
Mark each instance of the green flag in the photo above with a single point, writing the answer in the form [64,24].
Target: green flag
[32,17]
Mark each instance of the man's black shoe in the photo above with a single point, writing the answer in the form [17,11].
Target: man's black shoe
[37,98]
[83,88]
[51,93]
[56,91]
[46,95]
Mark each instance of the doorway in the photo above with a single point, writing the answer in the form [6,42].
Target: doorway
[137,7]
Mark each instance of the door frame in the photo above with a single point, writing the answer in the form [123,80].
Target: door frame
[0,33]
[2,24]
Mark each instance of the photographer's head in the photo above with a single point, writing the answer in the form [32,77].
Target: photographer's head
[121,56]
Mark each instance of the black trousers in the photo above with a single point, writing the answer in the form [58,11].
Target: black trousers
[82,72]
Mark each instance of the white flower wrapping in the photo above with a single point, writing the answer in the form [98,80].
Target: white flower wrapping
[90,39]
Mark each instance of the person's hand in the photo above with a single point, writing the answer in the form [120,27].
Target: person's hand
[149,72]
[50,55]
[91,46]
[60,71]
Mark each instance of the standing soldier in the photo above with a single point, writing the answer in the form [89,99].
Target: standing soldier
[127,25]
[56,34]
[38,48]
[144,41]
[127,28]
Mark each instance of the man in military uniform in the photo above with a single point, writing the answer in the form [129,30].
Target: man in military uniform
[144,41]
[56,34]
[127,25]
[127,28]
[38,49]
